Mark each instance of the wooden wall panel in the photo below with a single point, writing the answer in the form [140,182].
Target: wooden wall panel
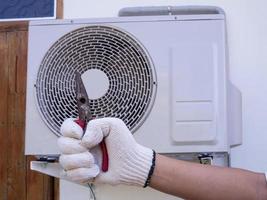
[12,109]
[13,26]
[40,187]
[60,9]
[16,109]
[17,181]
[3,115]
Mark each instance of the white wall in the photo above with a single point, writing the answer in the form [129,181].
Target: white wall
[247,39]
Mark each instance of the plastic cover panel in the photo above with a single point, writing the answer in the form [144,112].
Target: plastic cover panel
[176,47]
[193,83]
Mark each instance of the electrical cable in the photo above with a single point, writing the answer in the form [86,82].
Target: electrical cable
[92,193]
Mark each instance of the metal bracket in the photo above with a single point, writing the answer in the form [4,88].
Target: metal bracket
[48,168]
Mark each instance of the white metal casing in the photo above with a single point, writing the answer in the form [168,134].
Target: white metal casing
[188,52]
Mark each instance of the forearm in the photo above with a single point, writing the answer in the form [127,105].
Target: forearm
[194,181]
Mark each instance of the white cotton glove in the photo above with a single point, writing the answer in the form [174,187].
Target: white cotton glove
[129,162]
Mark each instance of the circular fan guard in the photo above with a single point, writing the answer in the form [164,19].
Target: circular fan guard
[132,81]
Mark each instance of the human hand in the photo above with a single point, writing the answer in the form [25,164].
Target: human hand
[129,162]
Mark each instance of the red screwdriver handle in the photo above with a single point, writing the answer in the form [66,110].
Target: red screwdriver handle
[103,147]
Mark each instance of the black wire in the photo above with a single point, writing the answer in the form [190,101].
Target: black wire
[91,191]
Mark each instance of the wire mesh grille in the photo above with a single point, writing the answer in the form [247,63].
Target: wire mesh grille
[132,81]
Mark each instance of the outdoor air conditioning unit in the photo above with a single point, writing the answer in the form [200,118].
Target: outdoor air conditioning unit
[162,70]
[165,76]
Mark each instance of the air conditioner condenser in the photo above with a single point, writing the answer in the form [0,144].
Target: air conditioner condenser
[164,76]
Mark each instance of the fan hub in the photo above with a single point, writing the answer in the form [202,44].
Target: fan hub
[96,83]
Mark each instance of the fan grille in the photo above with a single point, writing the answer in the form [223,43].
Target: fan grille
[132,81]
